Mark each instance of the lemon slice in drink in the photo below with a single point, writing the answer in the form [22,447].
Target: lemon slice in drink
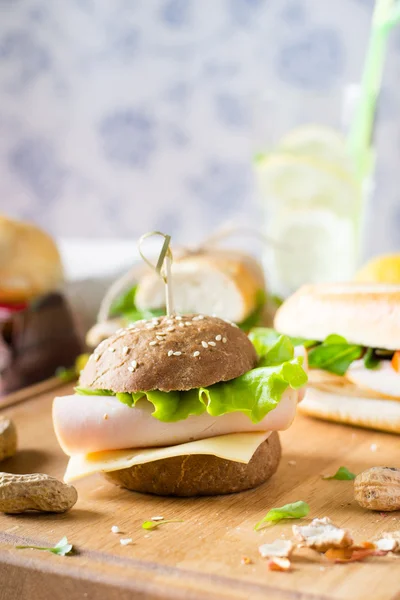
[289,182]
[316,141]
[383,269]
[316,246]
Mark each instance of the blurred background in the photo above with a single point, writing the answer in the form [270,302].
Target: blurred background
[120,117]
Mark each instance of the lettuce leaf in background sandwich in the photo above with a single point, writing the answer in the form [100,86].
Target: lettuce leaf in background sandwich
[125,306]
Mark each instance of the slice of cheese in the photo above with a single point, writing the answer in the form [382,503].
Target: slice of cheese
[237,447]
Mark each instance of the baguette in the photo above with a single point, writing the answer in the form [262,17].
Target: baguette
[222,282]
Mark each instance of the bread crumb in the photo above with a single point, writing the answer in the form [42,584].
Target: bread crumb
[157,519]
[105,416]
[125,541]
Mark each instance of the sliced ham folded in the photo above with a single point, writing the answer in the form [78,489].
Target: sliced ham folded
[86,424]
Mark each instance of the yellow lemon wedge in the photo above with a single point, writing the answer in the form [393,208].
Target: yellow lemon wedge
[382,269]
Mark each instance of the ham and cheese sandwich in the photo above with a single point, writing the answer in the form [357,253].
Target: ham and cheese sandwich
[352,332]
[181,405]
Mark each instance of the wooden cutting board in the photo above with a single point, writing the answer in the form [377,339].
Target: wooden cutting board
[201,557]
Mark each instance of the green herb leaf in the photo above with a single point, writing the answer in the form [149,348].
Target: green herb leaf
[295,510]
[342,474]
[371,361]
[62,548]
[334,355]
[154,524]
[89,392]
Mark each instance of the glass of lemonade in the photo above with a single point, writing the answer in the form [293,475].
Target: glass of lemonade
[313,203]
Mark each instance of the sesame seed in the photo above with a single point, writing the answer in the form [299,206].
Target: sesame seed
[181,324]
[134,364]
[150,326]
[131,369]
[125,350]
[105,416]
[170,352]
[177,353]
[224,340]
[111,349]
[125,541]
[204,344]
[188,323]
[153,343]
[197,353]
[218,337]
[169,321]
[115,529]
[212,344]
[157,518]
[170,329]
[160,338]
[200,317]
[178,318]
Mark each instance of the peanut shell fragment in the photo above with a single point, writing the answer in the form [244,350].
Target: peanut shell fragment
[22,493]
[8,438]
[378,489]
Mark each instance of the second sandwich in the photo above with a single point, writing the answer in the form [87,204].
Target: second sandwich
[352,332]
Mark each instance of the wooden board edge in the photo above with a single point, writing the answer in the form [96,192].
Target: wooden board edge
[30,392]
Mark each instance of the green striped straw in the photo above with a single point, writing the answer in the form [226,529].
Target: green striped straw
[385,16]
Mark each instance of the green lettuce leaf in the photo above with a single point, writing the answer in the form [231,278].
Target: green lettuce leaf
[125,306]
[263,338]
[334,355]
[371,360]
[281,351]
[92,392]
[255,394]
[255,317]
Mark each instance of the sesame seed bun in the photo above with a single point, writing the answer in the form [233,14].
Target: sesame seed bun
[365,314]
[170,353]
[201,475]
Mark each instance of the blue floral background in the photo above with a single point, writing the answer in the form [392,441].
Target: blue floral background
[124,116]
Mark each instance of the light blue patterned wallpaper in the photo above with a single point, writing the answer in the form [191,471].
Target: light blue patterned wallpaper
[121,116]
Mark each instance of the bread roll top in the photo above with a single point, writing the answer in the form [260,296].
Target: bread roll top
[170,353]
[364,314]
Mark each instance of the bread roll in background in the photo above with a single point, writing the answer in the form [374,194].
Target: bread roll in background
[223,282]
[30,263]
[363,313]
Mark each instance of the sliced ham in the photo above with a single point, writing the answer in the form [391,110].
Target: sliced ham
[86,424]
